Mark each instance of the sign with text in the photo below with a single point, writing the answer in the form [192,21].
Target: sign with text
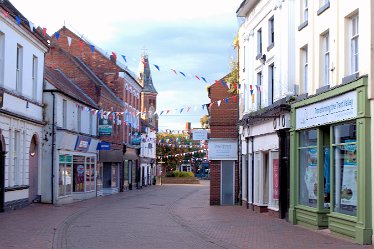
[83,143]
[223,149]
[103,146]
[105,127]
[332,110]
[199,134]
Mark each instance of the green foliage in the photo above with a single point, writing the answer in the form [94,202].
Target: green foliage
[233,77]
[177,173]
[204,121]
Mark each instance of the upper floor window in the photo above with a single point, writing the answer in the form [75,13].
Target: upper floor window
[271,31]
[259,83]
[304,68]
[259,42]
[19,66]
[64,113]
[353,39]
[2,43]
[34,76]
[91,123]
[305,10]
[326,59]
[271,85]
[79,119]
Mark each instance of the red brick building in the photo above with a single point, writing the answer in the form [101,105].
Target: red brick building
[223,146]
[117,94]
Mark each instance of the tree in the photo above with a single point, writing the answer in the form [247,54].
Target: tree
[233,77]
[204,121]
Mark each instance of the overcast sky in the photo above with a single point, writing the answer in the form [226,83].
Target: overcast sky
[192,36]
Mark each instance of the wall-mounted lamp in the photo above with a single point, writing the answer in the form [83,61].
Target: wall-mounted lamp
[263,59]
[27,104]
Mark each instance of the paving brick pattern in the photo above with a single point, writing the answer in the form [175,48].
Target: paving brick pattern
[168,216]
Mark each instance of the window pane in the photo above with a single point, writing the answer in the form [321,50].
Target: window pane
[79,172]
[345,187]
[308,138]
[344,133]
[61,180]
[308,177]
[326,177]
[68,178]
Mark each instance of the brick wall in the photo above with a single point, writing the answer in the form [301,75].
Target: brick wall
[223,124]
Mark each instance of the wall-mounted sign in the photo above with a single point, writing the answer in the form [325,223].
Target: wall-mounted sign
[332,110]
[103,146]
[199,134]
[105,127]
[136,138]
[223,149]
[83,143]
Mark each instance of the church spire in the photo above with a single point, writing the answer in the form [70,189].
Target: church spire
[144,74]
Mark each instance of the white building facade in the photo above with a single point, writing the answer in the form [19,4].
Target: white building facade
[148,157]
[70,141]
[21,110]
[266,78]
[331,175]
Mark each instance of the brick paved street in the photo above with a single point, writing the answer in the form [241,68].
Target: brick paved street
[168,216]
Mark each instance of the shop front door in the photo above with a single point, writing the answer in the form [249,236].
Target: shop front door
[227,182]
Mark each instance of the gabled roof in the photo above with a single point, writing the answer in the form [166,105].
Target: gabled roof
[59,80]
[13,12]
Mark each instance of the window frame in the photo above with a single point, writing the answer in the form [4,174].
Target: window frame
[34,76]
[19,68]
[354,44]
[326,59]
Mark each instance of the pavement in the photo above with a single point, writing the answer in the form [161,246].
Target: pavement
[167,216]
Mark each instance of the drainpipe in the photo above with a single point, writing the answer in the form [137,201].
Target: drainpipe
[240,171]
[253,175]
[53,149]
[246,159]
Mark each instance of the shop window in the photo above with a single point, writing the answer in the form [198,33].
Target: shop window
[345,169]
[79,173]
[90,174]
[65,175]
[308,169]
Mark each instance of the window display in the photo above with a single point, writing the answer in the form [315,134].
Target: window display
[64,179]
[345,169]
[308,173]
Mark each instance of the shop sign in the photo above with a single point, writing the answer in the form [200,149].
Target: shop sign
[223,149]
[103,146]
[65,159]
[136,138]
[332,110]
[199,134]
[105,127]
[83,143]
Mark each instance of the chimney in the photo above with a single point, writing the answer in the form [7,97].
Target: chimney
[113,58]
[188,126]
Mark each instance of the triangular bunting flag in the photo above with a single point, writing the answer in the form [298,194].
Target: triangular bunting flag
[114,55]
[226,100]
[69,40]
[18,19]
[182,74]
[188,108]
[57,35]
[210,105]
[203,106]
[181,110]
[92,48]
[197,77]
[234,98]
[31,26]
[219,102]
[223,83]
[251,91]
[158,68]
[81,44]
[5,13]
[204,79]
[124,58]
[174,71]
[239,85]
[45,31]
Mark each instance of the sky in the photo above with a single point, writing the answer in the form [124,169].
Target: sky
[193,37]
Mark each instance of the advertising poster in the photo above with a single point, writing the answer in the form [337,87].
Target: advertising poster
[276,179]
[105,127]
[349,181]
[79,178]
[311,173]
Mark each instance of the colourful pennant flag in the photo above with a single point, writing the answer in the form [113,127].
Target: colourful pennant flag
[18,20]
[174,71]
[158,68]
[219,102]
[210,105]
[81,44]
[124,58]
[251,91]
[92,48]
[203,106]
[250,87]
[188,108]
[5,13]
[197,77]
[57,35]
[181,110]
[182,74]
[234,98]
[45,31]
[223,83]
[69,40]
[239,85]
[204,79]
[226,100]
[31,26]
[114,56]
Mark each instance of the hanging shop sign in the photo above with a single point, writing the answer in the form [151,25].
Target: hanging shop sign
[223,149]
[342,107]
[83,143]
[105,127]
[103,146]
[199,134]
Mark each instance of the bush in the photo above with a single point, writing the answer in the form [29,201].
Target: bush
[177,173]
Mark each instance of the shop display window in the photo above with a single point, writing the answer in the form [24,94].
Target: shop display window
[65,175]
[345,169]
[308,168]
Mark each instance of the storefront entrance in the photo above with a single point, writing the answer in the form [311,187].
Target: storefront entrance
[227,182]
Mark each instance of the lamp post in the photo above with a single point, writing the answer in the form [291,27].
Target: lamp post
[161,162]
